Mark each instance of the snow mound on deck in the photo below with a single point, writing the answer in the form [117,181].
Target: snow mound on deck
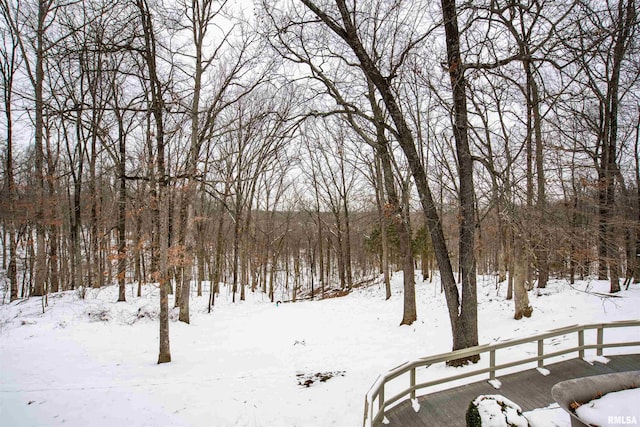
[498,411]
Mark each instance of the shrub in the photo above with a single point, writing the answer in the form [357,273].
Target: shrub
[473,416]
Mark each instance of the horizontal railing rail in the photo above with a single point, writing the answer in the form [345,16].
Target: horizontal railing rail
[375,413]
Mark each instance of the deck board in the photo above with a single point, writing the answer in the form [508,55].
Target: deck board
[529,389]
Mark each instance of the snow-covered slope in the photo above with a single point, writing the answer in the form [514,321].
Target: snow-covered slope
[92,362]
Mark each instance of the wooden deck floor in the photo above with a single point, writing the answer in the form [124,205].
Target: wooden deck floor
[529,389]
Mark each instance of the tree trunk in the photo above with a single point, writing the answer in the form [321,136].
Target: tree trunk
[245,251]
[12,269]
[321,270]
[236,250]
[347,228]
[122,203]
[400,219]
[94,267]
[54,282]
[602,227]
[542,252]
[39,284]
[521,298]
[160,205]
[138,257]
[339,246]
[635,255]
[272,275]
[626,22]
[217,268]
[467,327]
[503,257]
[76,215]
[384,224]
[328,264]
[201,256]
[164,354]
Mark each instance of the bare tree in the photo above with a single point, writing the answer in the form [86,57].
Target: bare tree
[605,35]
[8,68]
[633,270]
[395,209]
[343,23]
[120,104]
[200,14]
[160,204]
[468,323]
[20,20]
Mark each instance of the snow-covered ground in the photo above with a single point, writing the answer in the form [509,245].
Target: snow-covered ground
[92,362]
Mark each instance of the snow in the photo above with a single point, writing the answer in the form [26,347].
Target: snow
[620,407]
[551,416]
[498,411]
[544,371]
[593,358]
[495,384]
[92,361]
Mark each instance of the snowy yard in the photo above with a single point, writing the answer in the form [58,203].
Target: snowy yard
[93,361]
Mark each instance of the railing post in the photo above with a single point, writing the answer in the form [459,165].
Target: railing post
[366,411]
[412,382]
[492,364]
[371,412]
[540,353]
[381,400]
[581,343]
[600,340]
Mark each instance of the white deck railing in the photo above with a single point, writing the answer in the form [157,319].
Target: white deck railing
[374,413]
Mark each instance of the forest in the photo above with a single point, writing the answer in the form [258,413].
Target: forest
[303,148]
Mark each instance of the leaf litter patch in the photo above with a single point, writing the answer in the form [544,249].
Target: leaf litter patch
[308,379]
